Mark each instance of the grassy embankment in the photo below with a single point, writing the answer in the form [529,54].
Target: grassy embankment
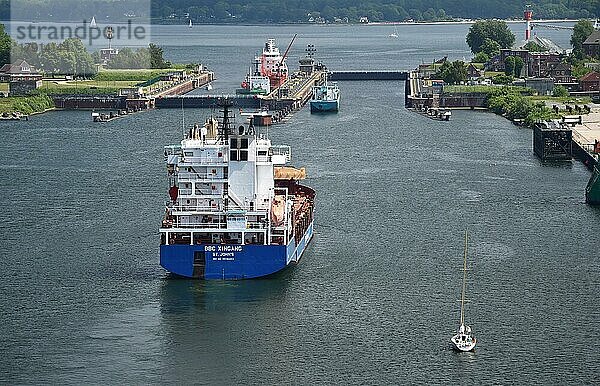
[106,82]
[518,103]
[26,105]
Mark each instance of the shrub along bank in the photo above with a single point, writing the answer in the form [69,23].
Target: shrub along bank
[517,107]
[26,105]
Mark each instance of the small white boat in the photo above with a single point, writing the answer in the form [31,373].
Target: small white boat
[93,23]
[464,340]
[394,34]
[190,24]
[209,87]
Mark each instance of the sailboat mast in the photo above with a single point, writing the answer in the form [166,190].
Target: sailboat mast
[464,286]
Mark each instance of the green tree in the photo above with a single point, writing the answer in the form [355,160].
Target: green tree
[156,57]
[579,70]
[534,47]
[490,47]
[453,73]
[75,59]
[502,79]
[5,46]
[581,31]
[495,30]
[560,91]
[518,66]
[509,65]
[130,59]
[481,57]
[28,52]
[539,112]
[50,58]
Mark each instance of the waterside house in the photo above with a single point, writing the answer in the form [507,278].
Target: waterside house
[536,64]
[560,72]
[21,77]
[473,72]
[590,82]
[591,45]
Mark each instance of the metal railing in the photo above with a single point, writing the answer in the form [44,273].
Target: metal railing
[189,176]
[285,150]
[203,160]
[582,141]
[197,208]
[217,225]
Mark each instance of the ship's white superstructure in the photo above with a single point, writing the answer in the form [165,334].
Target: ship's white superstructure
[273,64]
[228,186]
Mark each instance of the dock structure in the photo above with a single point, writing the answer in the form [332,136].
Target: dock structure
[368,75]
[586,137]
[185,85]
[421,93]
[206,101]
[132,99]
[296,91]
[290,96]
[552,141]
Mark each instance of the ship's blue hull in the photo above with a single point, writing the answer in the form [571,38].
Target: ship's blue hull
[322,106]
[231,262]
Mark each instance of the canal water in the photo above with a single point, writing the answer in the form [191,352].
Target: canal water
[374,299]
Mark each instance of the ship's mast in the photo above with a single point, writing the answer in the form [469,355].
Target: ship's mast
[225,127]
[464,286]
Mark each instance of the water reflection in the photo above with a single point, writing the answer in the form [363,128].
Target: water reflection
[180,295]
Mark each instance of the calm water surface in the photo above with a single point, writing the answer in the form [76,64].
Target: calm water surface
[374,298]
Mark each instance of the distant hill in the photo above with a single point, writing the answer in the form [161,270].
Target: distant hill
[259,11]
[302,11]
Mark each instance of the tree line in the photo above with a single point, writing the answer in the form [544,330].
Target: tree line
[294,11]
[375,10]
[71,57]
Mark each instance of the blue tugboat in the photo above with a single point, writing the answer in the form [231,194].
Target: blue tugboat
[235,211]
[325,98]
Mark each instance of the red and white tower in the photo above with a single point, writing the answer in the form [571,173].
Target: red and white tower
[527,16]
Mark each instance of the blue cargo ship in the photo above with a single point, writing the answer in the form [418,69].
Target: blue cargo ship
[325,98]
[235,210]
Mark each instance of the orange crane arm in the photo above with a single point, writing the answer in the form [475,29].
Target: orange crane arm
[288,48]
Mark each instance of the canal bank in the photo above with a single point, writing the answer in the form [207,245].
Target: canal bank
[557,134]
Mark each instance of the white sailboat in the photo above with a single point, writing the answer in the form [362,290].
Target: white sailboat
[93,22]
[190,24]
[464,340]
[394,34]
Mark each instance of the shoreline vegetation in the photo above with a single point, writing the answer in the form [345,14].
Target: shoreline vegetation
[294,11]
[304,23]
[494,79]
[26,105]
